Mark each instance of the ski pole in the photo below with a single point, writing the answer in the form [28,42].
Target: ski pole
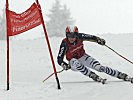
[52,75]
[119,54]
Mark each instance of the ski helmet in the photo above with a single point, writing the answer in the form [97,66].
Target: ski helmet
[72,34]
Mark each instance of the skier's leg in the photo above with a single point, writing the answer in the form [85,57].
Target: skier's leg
[78,66]
[94,64]
[114,73]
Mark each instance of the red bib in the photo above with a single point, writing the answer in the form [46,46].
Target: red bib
[74,51]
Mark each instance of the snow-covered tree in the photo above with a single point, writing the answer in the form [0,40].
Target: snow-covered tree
[59,18]
[3,26]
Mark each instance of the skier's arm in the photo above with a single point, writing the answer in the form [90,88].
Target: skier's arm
[62,51]
[92,38]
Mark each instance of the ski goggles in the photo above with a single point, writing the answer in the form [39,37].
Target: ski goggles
[71,35]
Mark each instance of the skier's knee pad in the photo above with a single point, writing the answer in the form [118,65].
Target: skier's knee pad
[74,63]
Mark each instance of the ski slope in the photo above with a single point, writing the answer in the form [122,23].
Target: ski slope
[30,64]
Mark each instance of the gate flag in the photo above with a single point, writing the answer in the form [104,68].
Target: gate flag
[18,23]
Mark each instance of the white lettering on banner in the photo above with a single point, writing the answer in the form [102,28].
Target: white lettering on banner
[25,19]
[16,29]
[25,13]
[16,16]
[22,15]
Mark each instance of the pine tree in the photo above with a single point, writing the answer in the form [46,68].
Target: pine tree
[3,26]
[59,18]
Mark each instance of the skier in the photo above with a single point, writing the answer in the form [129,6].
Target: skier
[73,48]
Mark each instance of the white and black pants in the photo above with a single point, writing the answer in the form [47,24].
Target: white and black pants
[85,62]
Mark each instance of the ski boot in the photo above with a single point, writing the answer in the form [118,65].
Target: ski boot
[97,78]
[125,77]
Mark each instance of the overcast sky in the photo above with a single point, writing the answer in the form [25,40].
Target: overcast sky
[92,16]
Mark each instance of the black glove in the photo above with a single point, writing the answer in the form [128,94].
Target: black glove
[65,66]
[101,41]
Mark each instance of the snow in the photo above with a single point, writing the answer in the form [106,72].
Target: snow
[30,64]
